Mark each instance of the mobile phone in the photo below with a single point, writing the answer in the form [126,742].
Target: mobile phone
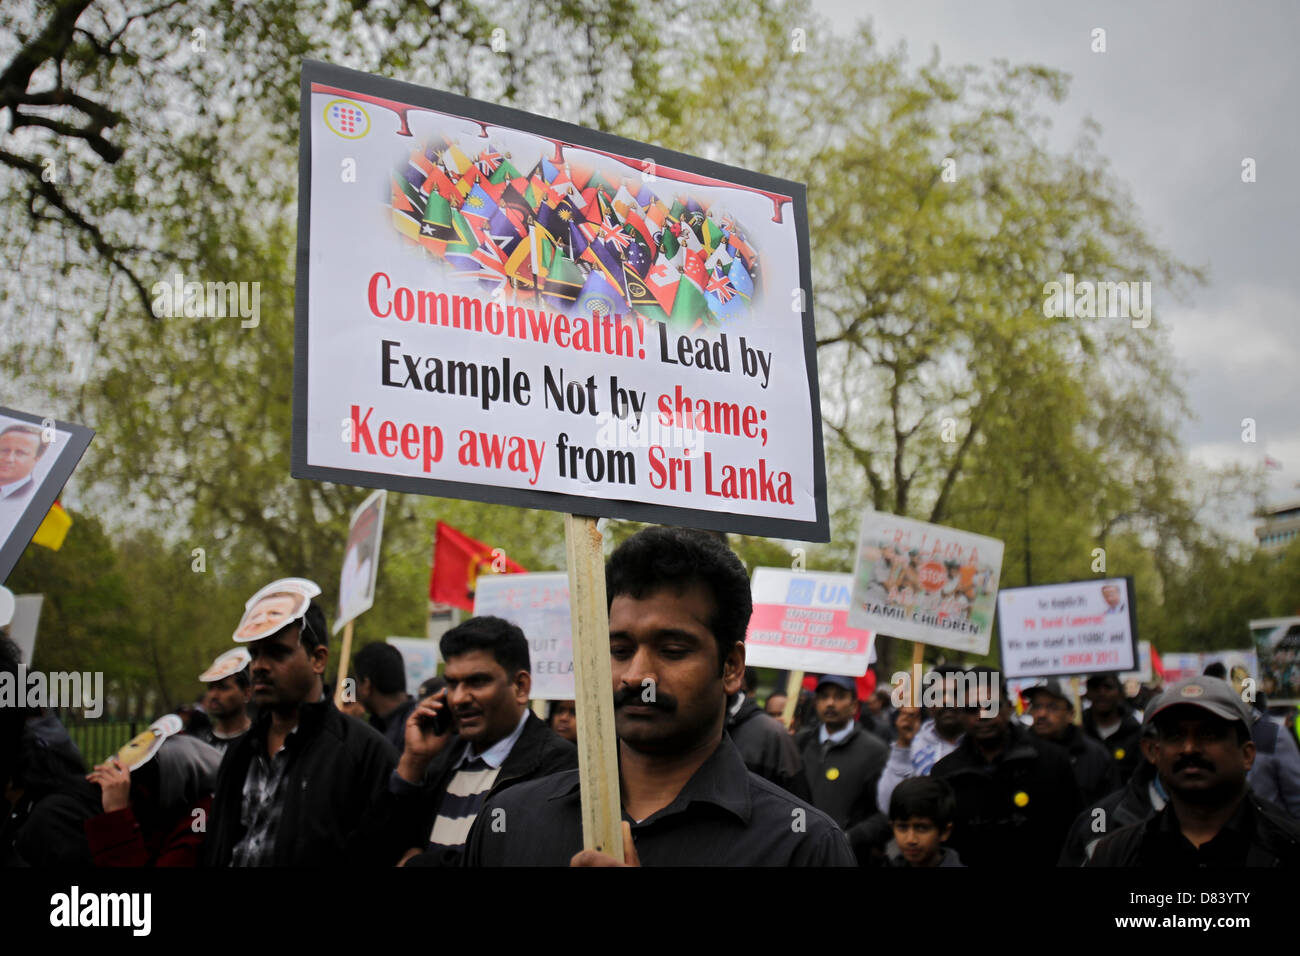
[440,723]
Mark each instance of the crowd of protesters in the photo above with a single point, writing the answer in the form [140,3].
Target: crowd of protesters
[464,773]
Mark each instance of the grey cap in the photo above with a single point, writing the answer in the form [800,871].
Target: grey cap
[1051,686]
[1208,693]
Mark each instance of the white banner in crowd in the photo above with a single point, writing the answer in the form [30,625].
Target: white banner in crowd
[539,605]
[925,582]
[801,623]
[1075,627]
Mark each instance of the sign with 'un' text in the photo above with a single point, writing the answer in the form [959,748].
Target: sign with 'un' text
[496,306]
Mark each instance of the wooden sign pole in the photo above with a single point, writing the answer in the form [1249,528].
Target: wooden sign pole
[918,660]
[792,687]
[602,805]
[345,655]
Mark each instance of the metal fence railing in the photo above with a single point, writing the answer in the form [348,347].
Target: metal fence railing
[98,739]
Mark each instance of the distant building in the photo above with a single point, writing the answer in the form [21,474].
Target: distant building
[1281,526]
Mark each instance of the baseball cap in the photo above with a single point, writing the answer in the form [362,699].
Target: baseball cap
[848,683]
[1052,687]
[1208,693]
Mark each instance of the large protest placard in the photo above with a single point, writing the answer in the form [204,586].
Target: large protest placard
[925,582]
[37,456]
[361,559]
[801,623]
[1277,645]
[539,605]
[1074,627]
[496,306]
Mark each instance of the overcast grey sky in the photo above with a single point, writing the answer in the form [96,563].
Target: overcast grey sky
[1184,92]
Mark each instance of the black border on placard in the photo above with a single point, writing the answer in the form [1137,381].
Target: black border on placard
[317,72]
[43,498]
[1132,627]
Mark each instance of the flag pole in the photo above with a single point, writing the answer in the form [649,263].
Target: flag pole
[602,805]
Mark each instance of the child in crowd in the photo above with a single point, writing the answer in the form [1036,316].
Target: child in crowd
[921,811]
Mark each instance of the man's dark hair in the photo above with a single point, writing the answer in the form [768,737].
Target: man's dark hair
[1096,680]
[1216,669]
[383,666]
[505,640]
[431,686]
[240,677]
[929,798]
[314,634]
[38,434]
[677,558]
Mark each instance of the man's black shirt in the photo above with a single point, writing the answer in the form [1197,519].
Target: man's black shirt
[724,816]
[1257,834]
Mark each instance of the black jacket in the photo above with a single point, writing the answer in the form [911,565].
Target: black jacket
[1015,811]
[1120,809]
[842,777]
[402,820]
[340,768]
[1122,745]
[1095,770]
[1273,838]
[767,749]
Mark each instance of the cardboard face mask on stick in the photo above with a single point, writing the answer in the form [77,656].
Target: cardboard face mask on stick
[274,606]
[231,662]
[141,748]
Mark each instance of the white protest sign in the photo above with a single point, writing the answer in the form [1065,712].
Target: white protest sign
[1076,627]
[801,623]
[361,559]
[539,605]
[496,306]
[421,657]
[924,582]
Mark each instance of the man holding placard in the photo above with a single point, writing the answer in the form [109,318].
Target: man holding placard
[679,604]
[1016,795]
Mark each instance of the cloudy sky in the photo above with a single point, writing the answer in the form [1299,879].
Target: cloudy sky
[1184,92]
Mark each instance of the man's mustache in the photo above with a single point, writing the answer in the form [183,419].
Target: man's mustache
[633,695]
[1191,760]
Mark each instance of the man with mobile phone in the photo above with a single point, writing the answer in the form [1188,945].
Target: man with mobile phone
[475,738]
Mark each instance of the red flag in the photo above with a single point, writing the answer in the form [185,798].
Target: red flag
[458,560]
[1157,665]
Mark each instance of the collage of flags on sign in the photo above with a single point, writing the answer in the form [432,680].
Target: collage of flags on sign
[574,238]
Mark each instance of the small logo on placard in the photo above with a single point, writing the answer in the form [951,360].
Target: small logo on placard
[800,592]
[347,119]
